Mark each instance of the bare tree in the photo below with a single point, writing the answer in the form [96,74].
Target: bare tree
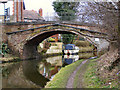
[103,15]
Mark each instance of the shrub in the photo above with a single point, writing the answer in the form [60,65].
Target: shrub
[82,43]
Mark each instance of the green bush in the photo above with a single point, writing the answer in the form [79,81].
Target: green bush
[81,43]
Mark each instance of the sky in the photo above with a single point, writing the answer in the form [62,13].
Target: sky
[9,4]
[46,5]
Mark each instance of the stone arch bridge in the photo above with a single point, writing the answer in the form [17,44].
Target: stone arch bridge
[23,38]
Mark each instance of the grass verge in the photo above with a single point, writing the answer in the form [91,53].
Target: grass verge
[85,55]
[91,80]
[85,49]
[61,78]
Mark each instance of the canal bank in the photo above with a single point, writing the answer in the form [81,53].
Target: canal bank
[81,74]
[89,77]
[60,80]
[92,79]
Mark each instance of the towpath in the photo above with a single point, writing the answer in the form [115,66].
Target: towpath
[72,76]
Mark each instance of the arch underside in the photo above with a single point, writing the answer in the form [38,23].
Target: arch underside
[30,48]
[40,37]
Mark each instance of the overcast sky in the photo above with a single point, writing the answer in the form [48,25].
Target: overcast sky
[46,5]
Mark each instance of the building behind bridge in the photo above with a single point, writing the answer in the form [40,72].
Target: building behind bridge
[32,16]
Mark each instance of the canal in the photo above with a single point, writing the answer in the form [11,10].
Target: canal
[35,73]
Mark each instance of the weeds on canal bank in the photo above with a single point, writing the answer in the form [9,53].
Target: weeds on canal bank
[61,78]
[91,79]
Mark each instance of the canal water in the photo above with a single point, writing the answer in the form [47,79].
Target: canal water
[34,73]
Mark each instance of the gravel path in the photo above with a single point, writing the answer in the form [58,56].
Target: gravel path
[71,78]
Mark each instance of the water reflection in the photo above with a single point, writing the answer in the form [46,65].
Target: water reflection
[30,71]
[50,66]
[70,58]
[35,73]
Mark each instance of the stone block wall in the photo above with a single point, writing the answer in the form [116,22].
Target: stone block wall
[17,41]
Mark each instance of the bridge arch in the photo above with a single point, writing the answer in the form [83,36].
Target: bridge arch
[31,45]
[24,42]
